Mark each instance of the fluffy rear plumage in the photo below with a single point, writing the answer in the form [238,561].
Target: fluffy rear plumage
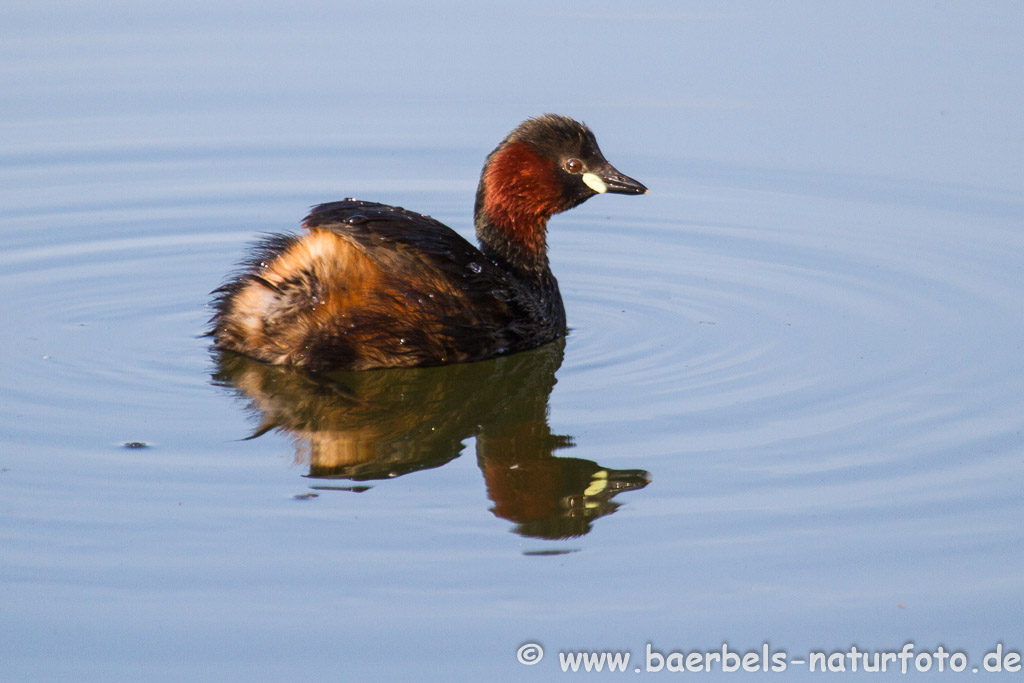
[363,290]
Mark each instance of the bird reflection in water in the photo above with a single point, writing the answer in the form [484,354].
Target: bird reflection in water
[381,424]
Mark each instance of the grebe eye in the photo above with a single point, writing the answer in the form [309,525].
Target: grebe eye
[573,165]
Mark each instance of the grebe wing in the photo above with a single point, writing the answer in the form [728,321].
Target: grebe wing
[373,225]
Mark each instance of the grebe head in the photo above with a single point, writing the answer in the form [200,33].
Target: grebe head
[547,165]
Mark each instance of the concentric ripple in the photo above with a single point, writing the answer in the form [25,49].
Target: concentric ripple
[100,329]
[792,333]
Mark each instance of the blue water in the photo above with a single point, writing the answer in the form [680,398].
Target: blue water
[801,354]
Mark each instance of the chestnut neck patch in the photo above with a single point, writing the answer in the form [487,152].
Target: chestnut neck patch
[521,190]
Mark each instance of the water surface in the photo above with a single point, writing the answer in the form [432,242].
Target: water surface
[789,409]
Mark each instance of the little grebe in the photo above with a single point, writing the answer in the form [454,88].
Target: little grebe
[373,286]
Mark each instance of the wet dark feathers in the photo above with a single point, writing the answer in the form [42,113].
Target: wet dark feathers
[440,300]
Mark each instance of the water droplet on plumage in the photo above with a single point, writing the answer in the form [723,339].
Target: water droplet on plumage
[474,266]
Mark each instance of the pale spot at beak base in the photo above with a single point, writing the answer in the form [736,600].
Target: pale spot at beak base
[594,182]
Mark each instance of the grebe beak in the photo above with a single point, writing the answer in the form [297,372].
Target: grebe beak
[608,179]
